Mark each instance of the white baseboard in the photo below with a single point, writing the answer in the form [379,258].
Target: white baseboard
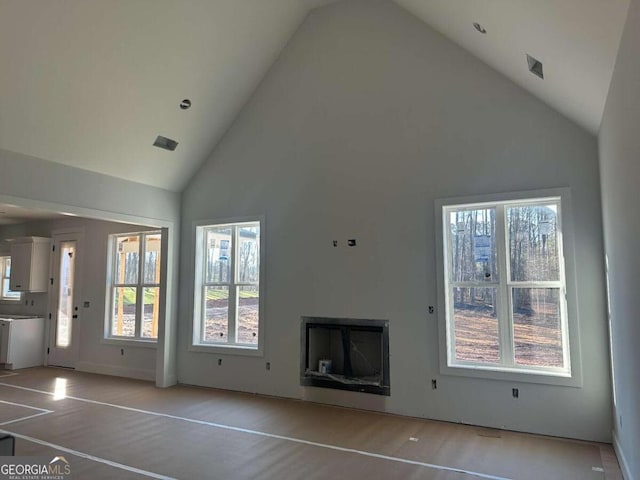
[624,465]
[116,371]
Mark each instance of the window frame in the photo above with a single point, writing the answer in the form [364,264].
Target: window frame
[572,374]
[140,285]
[4,278]
[195,344]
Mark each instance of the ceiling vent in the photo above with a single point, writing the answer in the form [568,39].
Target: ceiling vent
[535,66]
[479,28]
[166,143]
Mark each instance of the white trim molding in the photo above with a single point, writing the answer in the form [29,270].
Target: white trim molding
[624,465]
[117,371]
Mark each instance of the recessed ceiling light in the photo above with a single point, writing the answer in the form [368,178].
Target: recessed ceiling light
[166,143]
[185,104]
[535,66]
[479,28]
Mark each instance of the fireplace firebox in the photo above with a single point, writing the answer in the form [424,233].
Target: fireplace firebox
[345,353]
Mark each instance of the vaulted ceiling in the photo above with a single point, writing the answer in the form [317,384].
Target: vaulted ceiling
[91,83]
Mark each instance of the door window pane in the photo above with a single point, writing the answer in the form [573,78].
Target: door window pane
[476,325]
[216,317]
[218,258]
[127,260]
[537,331]
[124,312]
[150,309]
[65,294]
[248,309]
[473,246]
[533,243]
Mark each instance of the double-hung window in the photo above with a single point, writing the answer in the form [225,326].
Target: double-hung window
[505,287]
[227,299]
[134,286]
[5,270]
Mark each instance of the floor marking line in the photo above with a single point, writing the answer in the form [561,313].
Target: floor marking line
[271,435]
[12,374]
[25,406]
[25,418]
[87,456]
[43,411]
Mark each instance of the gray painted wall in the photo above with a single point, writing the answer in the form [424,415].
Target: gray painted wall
[368,117]
[36,183]
[94,356]
[619,144]
[52,183]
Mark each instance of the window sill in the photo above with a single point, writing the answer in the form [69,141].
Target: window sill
[226,349]
[133,342]
[512,375]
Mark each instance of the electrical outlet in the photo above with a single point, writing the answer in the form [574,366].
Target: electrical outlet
[268,366]
[219,362]
[122,351]
[431,309]
[351,242]
[434,384]
[515,393]
[335,243]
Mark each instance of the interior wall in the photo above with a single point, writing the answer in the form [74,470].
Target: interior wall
[94,355]
[39,180]
[36,183]
[619,145]
[367,117]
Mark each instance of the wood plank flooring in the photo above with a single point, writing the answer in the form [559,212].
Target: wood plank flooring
[111,427]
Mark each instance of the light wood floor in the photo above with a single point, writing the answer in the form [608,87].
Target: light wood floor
[108,427]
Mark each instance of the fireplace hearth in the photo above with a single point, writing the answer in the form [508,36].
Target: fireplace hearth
[346,354]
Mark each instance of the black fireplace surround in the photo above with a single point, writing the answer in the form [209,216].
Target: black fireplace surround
[357,349]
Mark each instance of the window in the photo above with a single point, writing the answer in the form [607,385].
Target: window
[505,288]
[5,269]
[134,284]
[227,308]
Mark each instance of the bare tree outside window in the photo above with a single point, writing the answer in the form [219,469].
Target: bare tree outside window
[505,283]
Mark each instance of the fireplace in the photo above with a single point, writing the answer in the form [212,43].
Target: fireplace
[345,353]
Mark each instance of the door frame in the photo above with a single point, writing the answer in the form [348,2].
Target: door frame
[58,236]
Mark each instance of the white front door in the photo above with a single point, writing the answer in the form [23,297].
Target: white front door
[64,300]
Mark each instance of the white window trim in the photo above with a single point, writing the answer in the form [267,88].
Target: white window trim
[195,323]
[7,300]
[137,341]
[529,375]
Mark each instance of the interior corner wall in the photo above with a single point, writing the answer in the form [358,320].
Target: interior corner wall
[367,117]
[619,145]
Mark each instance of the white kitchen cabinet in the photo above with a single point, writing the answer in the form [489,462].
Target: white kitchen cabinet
[30,264]
[21,342]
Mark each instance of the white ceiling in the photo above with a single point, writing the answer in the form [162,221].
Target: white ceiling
[91,83]
[576,40]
